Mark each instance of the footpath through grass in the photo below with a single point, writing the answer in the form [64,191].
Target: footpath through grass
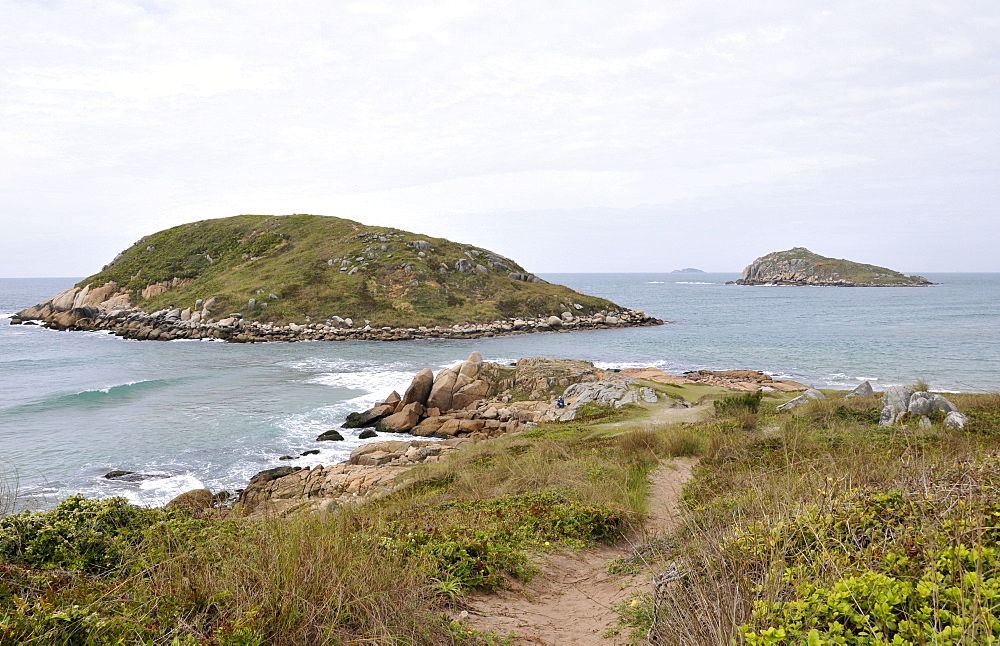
[819,527]
[810,527]
[99,572]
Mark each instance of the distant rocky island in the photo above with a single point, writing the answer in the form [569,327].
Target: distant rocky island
[255,278]
[687,270]
[799,266]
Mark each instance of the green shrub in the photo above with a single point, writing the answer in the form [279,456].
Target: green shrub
[79,534]
[737,403]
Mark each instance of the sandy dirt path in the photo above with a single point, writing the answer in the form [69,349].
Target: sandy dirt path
[572,600]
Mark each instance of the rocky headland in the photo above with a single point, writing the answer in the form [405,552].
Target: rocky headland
[471,402]
[799,266]
[305,277]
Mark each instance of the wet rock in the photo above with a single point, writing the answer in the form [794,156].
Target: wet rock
[329,436]
[367,434]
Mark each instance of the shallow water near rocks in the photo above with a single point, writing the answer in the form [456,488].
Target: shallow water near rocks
[76,405]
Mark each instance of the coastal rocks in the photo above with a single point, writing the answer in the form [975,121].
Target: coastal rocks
[863,390]
[118,316]
[900,403]
[613,390]
[371,416]
[330,436]
[895,404]
[749,380]
[810,395]
[371,471]
[420,388]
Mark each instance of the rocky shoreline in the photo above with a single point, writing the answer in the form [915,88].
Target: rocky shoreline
[98,309]
[472,402]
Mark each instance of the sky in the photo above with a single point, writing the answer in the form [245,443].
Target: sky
[582,136]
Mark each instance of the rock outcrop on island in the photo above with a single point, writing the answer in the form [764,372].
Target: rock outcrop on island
[799,266]
[286,278]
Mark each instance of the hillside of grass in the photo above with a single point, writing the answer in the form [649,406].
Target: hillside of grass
[801,265]
[299,268]
[813,526]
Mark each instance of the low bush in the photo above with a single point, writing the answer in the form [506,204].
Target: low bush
[738,403]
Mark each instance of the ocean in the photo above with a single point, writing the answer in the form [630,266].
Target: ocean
[191,414]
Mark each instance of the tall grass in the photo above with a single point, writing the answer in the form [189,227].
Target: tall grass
[788,517]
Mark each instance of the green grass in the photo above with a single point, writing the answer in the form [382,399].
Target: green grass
[809,526]
[831,530]
[253,256]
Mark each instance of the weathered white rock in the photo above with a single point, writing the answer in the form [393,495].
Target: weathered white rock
[863,390]
[955,420]
[810,395]
[895,404]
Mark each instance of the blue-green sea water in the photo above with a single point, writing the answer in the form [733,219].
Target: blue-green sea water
[75,405]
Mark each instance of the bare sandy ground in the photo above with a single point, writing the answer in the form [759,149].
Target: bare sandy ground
[572,601]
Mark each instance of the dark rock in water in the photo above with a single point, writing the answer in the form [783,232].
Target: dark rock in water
[311,452]
[287,457]
[369,417]
[272,474]
[367,433]
[331,435]
[132,476]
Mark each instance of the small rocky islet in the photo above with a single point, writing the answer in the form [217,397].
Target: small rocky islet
[799,266]
[260,278]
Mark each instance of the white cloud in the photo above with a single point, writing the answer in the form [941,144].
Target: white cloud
[121,117]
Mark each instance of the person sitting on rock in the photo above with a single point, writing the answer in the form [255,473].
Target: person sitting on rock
[560,403]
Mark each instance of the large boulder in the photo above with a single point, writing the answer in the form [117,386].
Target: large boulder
[443,390]
[404,420]
[895,404]
[420,389]
[369,417]
[472,366]
[469,394]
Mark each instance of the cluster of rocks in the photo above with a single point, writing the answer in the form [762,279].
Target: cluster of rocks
[900,403]
[749,380]
[470,402]
[371,471]
[107,309]
[451,404]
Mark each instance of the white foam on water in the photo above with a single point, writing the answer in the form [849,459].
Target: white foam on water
[655,282]
[693,282]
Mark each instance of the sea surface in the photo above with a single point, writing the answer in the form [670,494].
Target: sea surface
[190,414]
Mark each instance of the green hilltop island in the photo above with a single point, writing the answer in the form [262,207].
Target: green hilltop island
[799,266]
[254,278]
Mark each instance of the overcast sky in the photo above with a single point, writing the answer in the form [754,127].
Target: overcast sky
[570,136]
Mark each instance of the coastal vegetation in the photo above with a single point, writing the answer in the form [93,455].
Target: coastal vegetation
[811,526]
